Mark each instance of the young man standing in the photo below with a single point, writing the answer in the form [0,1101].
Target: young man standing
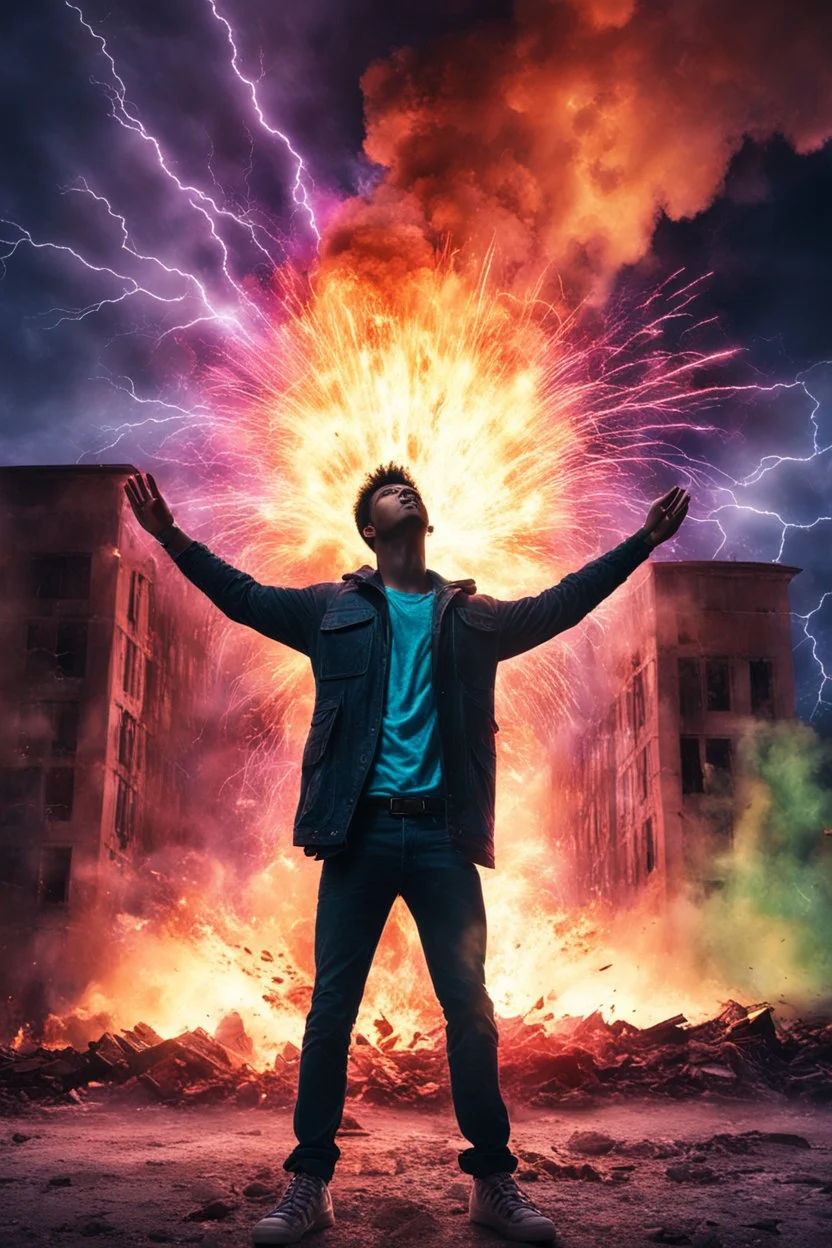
[397,796]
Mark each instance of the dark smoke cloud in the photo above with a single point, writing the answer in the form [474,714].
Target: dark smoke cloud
[565,133]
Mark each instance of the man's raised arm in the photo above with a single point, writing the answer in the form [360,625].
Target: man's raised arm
[527,622]
[286,615]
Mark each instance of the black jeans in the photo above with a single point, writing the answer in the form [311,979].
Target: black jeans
[387,856]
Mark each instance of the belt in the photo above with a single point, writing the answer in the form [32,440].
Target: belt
[408,805]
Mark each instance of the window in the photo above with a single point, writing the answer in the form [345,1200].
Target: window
[131,674]
[60,576]
[127,739]
[761,672]
[55,866]
[17,868]
[50,728]
[20,794]
[65,716]
[56,648]
[638,699]
[692,778]
[718,765]
[71,650]
[718,683]
[41,640]
[690,693]
[125,813]
[137,592]
[60,788]
[642,773]
[649,845]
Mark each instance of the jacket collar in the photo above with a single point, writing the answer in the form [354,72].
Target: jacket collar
[368,575]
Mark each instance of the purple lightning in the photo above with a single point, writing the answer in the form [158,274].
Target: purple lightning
[299,191]
[232,309]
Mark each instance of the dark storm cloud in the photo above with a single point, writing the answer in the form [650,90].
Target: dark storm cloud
[55,382]
[765,238]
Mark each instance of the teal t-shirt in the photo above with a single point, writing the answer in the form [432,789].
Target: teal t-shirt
[408,758]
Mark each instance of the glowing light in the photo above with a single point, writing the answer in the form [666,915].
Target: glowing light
[529,449]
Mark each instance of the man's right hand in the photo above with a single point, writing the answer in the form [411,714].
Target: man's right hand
[149,508]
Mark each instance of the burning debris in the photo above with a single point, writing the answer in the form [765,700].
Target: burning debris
[741,1052]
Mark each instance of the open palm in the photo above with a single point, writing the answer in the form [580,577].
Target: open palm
[666,515]
[149,508]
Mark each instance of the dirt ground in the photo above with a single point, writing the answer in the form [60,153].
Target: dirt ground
[166,1176]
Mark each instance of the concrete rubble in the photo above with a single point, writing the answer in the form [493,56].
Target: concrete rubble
[572,1063]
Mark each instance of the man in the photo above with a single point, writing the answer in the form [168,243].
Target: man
[397,798]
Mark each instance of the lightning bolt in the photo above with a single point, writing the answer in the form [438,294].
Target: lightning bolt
[638,377]
[300,193]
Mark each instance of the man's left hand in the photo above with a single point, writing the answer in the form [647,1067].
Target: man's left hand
[665,515]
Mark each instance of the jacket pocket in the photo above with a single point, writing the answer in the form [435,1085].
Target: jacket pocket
[320,731]
[475,647]
[345,642]
[317,778]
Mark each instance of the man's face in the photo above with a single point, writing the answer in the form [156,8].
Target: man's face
[394,506]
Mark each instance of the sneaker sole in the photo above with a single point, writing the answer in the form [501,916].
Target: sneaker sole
[282,1235]
[521,1234]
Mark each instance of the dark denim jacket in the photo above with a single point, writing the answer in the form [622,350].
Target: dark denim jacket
[344,629]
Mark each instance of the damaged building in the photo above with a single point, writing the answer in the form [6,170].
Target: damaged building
[105,677]
[645,790]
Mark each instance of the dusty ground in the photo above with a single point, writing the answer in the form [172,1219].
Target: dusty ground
[148,1176]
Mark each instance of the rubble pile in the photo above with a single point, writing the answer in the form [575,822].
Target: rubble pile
[547,1063]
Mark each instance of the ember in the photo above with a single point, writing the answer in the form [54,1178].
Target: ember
[742,1051]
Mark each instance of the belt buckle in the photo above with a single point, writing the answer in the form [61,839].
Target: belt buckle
[407,805]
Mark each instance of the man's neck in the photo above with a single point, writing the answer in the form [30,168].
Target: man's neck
[401,565]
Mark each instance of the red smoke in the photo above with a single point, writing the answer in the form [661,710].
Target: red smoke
[564,134]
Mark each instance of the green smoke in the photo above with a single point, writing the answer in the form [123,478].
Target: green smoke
[769,930]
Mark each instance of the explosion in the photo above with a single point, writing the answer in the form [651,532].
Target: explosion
[453,321]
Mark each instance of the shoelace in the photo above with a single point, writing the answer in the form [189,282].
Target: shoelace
[507,1195]
[301,1186]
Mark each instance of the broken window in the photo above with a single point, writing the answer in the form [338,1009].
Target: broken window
[692,778]
[131,673]
[60,576]
[718,765]
[138,584]
[690,693]
[642,773]
[60,788]
[65,717]
[649,845]
[125,813]
[638,699]
[71,649]
[17,868]
[49,728]
[55,867]
[41,639]
[56,648]
[20,794]
[718,684]
[761,672]
[127,739]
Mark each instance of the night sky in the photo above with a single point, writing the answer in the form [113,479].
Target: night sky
[68,367]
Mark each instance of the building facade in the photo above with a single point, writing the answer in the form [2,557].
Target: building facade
[694,652]
[104,676]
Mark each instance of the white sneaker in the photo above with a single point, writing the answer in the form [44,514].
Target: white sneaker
[306,1205]
[498,1202]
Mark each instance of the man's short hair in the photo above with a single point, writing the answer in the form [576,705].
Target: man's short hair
[385,474]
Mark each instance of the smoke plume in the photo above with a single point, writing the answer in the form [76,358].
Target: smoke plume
[567,132]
